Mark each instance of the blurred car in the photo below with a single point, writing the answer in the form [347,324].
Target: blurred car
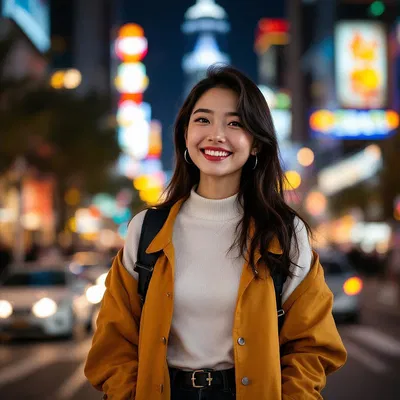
[345,284]
[97,292]
[44,301]
[88,265]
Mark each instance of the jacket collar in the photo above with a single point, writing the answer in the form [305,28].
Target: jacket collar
[164,236]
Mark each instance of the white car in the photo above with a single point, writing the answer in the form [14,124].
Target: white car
[44,301]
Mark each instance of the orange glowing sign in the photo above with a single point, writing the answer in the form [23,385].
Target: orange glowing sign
[38,196]
[361,64]
[131,45]
[130,30]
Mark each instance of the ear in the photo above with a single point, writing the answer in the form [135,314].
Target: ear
[255,148]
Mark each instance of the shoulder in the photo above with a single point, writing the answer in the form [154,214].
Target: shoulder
[135,225]
[301,258]
[300,247]
[132,242]
[300,228]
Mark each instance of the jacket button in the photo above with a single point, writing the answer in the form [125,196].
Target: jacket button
[241,341]
[164,340]
[169,294]
[161,388]
[245,381]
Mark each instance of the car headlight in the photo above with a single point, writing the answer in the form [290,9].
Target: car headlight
[44,308]
[101,280]
[5,309]
[95,294]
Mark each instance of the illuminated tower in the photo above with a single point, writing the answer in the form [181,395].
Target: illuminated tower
[205,26]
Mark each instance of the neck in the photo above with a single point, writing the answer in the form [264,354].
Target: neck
[220,188]
[212,209]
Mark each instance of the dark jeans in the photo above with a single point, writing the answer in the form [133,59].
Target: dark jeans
[187,393]
[201,394]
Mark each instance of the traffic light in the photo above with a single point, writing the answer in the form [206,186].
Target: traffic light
[377,8]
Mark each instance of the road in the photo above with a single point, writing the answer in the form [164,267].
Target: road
[53,370]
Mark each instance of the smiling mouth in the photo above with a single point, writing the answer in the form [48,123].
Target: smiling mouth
[215,155]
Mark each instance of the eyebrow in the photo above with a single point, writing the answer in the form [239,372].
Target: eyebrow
[208,111]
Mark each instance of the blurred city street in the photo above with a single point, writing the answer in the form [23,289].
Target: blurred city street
[54,369]
[89,92]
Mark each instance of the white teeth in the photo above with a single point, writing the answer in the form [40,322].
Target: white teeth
[216,153]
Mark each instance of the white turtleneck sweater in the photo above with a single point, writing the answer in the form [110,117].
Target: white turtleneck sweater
[207,278]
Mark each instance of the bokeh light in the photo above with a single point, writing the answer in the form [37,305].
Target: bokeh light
[316,203]
[292,180]
[305,157]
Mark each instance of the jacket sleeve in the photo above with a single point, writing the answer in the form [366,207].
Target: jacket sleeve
[112,362]
[311,347]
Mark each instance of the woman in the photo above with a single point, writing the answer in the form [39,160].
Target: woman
[208,328]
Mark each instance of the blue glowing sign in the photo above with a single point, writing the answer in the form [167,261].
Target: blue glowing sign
[33,17]
[354,124]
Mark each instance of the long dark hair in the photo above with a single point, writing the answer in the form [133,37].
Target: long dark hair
[261,190]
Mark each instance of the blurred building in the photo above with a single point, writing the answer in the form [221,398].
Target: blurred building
[26,203]
[349,96]
[81,40]
[26,27]
[91,50]
[206,26]
[271,42]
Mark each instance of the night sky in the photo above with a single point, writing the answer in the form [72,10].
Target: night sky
[162,26]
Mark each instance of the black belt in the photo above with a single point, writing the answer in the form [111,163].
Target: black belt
[203,378]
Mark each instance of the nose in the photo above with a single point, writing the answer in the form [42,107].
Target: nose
[217,136]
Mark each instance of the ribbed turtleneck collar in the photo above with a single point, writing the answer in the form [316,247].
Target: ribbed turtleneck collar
[211,209]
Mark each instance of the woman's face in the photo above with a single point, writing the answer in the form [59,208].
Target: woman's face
[216,140]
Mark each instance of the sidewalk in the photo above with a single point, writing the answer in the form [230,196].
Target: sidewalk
[379,294]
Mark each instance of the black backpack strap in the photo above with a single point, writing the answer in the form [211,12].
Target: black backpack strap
[279,280]
[152,224]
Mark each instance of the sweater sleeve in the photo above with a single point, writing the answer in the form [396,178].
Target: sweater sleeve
[301,259]
[112,362]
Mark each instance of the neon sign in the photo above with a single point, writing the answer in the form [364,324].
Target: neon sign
[361,64]
[354,124]
[131,45]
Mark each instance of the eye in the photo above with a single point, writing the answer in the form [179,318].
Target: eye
[202,120]
[236,124]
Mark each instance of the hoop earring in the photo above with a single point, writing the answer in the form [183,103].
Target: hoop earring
[255,165]
[185,156]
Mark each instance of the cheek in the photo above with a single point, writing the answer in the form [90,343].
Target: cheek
[243,142]
[193,137]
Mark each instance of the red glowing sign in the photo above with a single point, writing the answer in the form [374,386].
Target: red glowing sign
[271,31]
[267,25]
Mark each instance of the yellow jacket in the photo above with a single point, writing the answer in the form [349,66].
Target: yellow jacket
[128,355]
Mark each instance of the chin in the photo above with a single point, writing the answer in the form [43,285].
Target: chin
[218,172]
